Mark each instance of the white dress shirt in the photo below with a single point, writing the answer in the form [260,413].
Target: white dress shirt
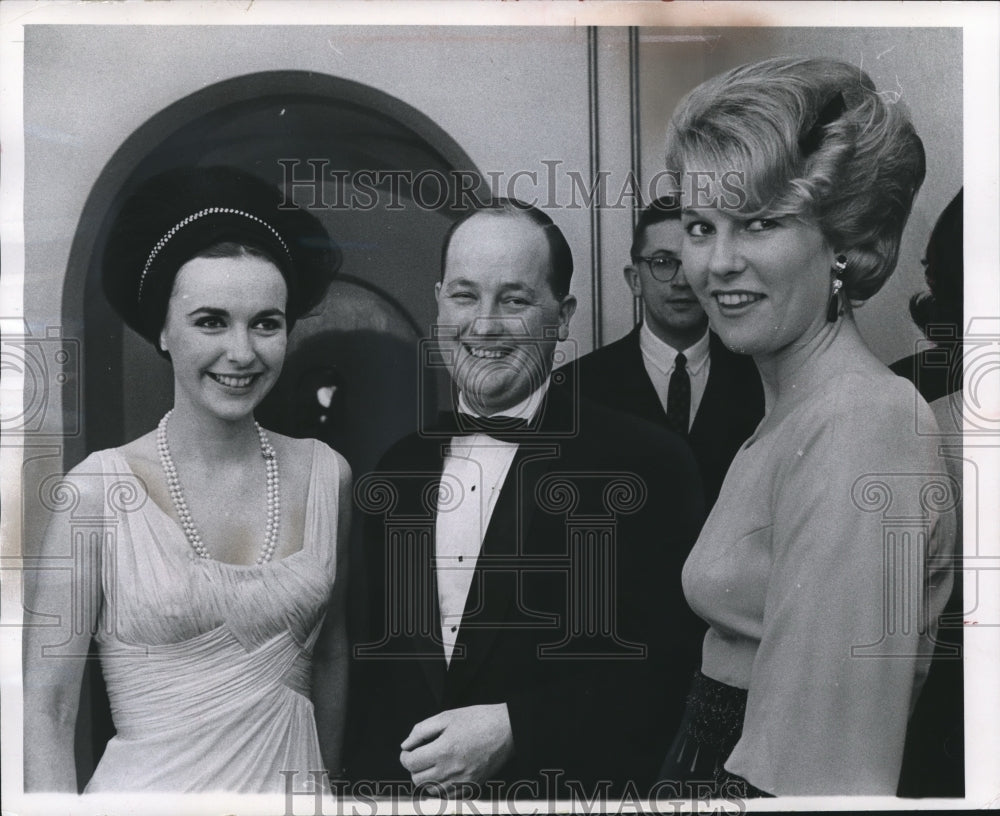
[478,464]
[658,358]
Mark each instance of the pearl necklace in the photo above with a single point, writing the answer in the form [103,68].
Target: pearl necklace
[180,505]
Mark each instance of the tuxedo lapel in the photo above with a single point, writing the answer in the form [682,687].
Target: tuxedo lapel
[496,580]
[426,635]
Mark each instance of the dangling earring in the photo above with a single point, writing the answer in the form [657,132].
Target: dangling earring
[839,266]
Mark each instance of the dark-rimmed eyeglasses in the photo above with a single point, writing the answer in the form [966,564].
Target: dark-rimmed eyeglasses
[662,267]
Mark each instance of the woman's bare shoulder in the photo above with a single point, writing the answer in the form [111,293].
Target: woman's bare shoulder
[303,449]
[290,446]
[298,455]
[88,486]
[142,458]
[295,459]
[141,451]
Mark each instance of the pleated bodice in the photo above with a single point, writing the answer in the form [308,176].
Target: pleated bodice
[207,664]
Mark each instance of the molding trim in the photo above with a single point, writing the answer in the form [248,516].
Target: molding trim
[595,164]
[634,125]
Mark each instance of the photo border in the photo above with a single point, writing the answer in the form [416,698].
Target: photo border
[981,89]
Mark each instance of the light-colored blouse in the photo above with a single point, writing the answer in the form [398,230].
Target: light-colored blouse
[812,571]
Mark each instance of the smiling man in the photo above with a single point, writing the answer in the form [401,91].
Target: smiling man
[529,637]
[504,301]
[671,370]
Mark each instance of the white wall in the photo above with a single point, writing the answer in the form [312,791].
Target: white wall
[509,97]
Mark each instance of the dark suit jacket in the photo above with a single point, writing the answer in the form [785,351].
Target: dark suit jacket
[596,515]
[730,409]
[934,756]
[936,372]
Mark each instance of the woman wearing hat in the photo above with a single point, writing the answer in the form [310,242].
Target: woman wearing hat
[219,554]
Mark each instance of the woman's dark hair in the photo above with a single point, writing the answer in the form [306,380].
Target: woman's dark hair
[664,208]
[942,306]
[232,249]
[195,212]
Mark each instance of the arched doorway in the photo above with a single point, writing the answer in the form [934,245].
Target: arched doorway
[352,375]
[285,126]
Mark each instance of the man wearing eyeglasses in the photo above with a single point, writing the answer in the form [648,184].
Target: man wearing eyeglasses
[671,369]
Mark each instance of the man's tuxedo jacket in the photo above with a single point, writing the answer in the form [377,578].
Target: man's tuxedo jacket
[575,618]
[730,409]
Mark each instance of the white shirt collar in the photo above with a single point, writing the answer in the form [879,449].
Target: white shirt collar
[662,354]
[525,409]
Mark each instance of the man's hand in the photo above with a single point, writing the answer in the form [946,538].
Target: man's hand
[459,745]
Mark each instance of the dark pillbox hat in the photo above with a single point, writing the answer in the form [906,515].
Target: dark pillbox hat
[174,216]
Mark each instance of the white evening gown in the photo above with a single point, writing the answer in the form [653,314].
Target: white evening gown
[207,664]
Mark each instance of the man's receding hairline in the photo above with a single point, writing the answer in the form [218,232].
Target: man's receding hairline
[513,215]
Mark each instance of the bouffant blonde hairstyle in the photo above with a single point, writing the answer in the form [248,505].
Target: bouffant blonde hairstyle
[812,139]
